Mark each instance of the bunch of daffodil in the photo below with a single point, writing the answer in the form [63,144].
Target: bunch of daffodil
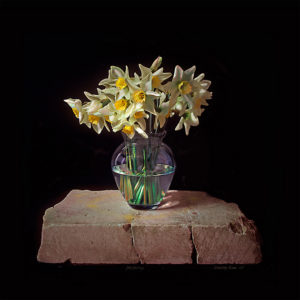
[144,102]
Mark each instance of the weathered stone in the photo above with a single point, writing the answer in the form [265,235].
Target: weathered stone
[168,244]
[99,227]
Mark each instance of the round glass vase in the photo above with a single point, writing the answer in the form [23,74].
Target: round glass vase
[143,169]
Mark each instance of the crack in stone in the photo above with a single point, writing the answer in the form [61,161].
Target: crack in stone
[133,244]
[194,254]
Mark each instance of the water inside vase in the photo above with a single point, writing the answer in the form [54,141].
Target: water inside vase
[144,189]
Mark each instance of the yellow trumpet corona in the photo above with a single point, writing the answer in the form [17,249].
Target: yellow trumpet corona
[121,83]
[155,82]
[184,87]
[94,119]
[76,112]
[139,96]
[138,115]
[121,104]
[128,129]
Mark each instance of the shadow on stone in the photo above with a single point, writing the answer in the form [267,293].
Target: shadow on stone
[186,199]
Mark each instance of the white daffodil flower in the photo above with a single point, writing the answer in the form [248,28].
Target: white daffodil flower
[97,116]
[94,106]
[98,101]
[201,94]
[188,119]
[146,95]
[181,85]
[157,77]
[79,111]
[163,112]
[188,94]
[87,115]
[126,102]
[128,116]
[98,122]
[129,127]
[123,85]
[139,116]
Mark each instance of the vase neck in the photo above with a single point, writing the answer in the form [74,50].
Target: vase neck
[138,139]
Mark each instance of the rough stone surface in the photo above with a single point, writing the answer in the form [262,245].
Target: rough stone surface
[99,227]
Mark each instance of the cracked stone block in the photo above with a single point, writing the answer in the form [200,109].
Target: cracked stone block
[168,244]
[99,227]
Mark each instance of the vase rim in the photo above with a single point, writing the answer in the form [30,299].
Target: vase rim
[137,136]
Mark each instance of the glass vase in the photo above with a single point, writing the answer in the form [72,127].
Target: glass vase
[143,170]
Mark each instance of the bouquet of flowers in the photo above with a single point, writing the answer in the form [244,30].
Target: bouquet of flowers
[143,166]
[143,103]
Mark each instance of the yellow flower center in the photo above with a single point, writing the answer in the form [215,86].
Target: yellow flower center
[184,87]
[76,112]
[138,114]
[121,83]
[139,96]
[107,119]
[121,104]
[197,103]
[155,82]
[94,119]
[128,129]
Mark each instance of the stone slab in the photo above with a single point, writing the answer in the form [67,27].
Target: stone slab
[99,227]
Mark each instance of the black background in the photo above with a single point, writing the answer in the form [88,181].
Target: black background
[242,151]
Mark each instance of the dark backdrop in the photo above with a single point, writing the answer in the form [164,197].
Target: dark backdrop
[241,151]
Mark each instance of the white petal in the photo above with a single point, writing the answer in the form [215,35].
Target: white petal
[188,74]
[121,94]
[151,93]
[142,123]
[187,128]
[148,85]
[173,97]
[127,94]
[162,120]
[91,96]
[105,110]
[136,77]
[117,72]
[83,118]
[70,102]
[144,71]
[205,84]
[179,125]
[94,106]
[97,128]
[164,76]
[178,72]
[140,131]
[88,125]
[149,105]
[105,82]
[106,126]
[132,85]
[158,72]
[78,104]
[111,90]
[199,77]
[194,121]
